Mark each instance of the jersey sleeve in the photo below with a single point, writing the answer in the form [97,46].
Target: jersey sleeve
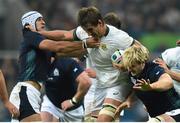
[34,38]
[73,69]
[156,73]
[124,40]
[80,34]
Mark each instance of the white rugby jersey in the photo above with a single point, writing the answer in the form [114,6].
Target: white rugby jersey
[172,57]
[100,58]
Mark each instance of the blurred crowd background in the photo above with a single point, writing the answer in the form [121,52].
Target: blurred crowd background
[155,23]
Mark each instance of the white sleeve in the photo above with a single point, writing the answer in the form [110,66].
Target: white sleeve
[124,40]
[81,34]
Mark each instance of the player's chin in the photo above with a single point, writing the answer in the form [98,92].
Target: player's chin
[42,29]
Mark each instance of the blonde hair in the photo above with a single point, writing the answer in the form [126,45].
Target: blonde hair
[135,55]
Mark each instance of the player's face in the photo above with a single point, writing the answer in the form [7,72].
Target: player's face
[136,69]
[95,31]
[40,24]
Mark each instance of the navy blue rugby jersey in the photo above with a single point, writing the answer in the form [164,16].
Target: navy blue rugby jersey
[156,102]
[61,84]
[34,63]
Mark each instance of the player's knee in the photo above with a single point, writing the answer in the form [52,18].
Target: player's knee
[109,110]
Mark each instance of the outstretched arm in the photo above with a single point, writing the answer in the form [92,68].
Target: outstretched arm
[126,104]
[84,84]
[173,74]
[4,97]
[58,35]
[68,48]
[163,83]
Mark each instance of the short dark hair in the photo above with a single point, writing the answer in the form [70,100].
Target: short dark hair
[112,19]
[89,16]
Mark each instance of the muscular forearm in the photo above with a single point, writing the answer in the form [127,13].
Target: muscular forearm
[74,50]
[58,35]
[164,83]
[83,86]
[3,90]
[174,75]
[74,53]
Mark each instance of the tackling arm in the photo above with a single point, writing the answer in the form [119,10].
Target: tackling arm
[68,48]
[58,35]
[164,83]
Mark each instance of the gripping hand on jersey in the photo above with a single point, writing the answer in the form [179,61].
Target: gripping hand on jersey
[92,42]
[143,85]
[161,64]
[12,109]
[66,105]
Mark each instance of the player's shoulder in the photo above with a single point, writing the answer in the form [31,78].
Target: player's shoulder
[81,33]
[116,33]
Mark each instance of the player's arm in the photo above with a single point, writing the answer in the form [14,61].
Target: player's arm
[84,84]
[136,43]
[75,53]
[4,97]
[58,35]
[164,83]
[174,75]
[67,47]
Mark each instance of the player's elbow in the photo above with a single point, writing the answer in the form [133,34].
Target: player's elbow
[84,80]
[86,83]
[167,81]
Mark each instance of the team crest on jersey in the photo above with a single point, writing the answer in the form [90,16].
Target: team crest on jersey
[56,72]
[103,46]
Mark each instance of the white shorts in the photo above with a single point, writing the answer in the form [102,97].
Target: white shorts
[95,97]
[26,98]
[75,115]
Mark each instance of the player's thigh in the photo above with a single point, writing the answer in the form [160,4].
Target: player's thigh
[48,117]
[49,111]
[27,99]
[32,118]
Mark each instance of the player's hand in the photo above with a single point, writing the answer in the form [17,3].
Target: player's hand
[142,85]
[161,64]
[93,42]
[12,109]
[66,105]
[121,107]
[91,73]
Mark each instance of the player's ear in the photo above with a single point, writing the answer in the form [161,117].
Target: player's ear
[26,25]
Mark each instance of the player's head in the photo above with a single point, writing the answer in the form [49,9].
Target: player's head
[134,58]
[178,42]
[35,19]
[112,19]
[91,21]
